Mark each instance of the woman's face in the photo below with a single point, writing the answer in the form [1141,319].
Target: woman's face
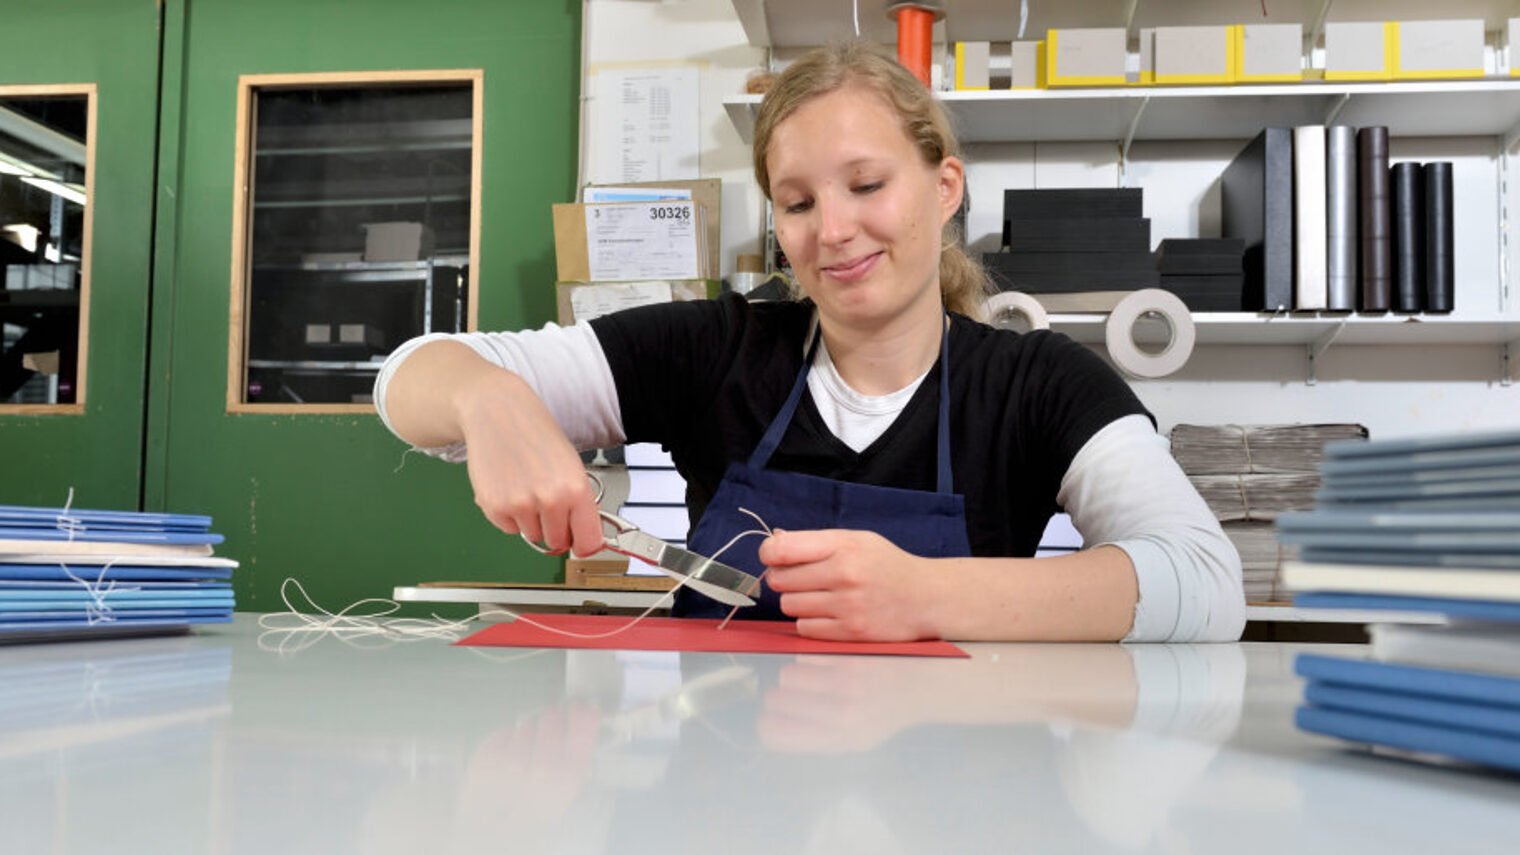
[856,209]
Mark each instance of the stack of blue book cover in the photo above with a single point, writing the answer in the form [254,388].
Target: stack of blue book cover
[69,573]
[1422,525]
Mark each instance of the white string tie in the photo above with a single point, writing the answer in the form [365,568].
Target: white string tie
[64,522]
[296,629]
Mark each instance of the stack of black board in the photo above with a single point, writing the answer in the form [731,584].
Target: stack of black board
[1072,240]
[1207,273]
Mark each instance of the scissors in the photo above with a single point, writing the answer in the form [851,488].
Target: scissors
[728,585]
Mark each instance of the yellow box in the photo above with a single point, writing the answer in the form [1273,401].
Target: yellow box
[1085,57]
[1437,50]
[1513,41]
[1026,65]
[1192,55]
[1361,50]
[973,64]
[1268,53]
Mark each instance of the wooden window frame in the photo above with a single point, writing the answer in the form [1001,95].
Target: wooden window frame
[237,345]
[87,255]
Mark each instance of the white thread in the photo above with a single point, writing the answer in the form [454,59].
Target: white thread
[64,522]
[402,463]
[100,612]
[97,610]
[761,578]
[347,626]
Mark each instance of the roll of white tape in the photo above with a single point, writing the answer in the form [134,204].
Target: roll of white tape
[1006,307]
[1119,333]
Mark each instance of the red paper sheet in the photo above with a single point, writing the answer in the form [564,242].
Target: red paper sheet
[740,636]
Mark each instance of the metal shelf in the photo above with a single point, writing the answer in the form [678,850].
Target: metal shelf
[807,23]
[316,366]
[1247,328]
[368,271]
[1488,107]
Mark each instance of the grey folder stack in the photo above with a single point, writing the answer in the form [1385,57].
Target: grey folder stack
[1248,474]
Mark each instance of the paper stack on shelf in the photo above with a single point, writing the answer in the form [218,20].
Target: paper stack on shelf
[1417,525]
[1248,474]
[86,573]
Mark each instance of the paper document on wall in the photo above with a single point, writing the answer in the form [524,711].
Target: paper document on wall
[633,194]
[588,303]
[643,240]
[645,122]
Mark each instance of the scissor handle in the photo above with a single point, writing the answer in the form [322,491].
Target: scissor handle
[613,527]
[618,525]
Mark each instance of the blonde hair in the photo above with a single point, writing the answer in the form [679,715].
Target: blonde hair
[963,284]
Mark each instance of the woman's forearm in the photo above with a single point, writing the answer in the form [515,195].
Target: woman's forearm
[1086,596]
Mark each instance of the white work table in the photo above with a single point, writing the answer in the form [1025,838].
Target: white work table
[209,744]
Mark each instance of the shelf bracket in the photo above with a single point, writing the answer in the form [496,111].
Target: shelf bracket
[1335,109]
[1507,142]
[1319,27]
[1315,349]
[1129,137]
[1506,362]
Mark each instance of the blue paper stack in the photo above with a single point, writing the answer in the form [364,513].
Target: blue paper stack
[1426,525]
[86,573]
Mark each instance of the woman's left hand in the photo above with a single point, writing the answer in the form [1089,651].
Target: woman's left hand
[846,585]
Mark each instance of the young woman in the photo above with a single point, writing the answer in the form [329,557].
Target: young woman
[908,456]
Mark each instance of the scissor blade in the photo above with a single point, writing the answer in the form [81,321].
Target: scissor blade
[723,583]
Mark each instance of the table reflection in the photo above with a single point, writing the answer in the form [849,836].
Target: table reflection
[847,753]
[104,731]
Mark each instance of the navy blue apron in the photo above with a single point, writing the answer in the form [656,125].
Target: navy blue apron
[931,525]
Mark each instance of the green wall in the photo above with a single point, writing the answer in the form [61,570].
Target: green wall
[328,499]
[113,44]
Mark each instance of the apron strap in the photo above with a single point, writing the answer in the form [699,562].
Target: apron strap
[945,479]
[773,434]
[777,429]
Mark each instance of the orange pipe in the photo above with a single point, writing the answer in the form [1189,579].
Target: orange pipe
[915,40]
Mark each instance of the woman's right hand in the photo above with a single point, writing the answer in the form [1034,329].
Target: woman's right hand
[527,477]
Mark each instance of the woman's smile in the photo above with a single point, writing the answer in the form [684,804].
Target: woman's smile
[853,269]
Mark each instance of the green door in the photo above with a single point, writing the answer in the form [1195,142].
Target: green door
[78,106]
[345,175]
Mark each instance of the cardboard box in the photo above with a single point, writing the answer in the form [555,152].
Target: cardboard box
[629,241]
[1192,55]
[1026,65]
[583,301]
[973,65]
[397,241]
[708,194]
[1360,50]
[1438,49]
[1086,57]
[1147,39]
[1268,53]
[1512,40]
